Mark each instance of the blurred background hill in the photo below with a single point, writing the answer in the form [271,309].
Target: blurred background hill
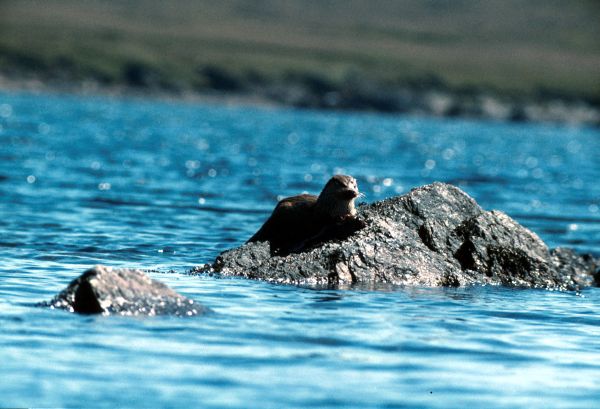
[377,54]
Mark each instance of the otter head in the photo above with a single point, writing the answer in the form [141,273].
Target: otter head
[338,195]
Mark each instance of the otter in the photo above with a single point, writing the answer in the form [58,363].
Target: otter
[299,223]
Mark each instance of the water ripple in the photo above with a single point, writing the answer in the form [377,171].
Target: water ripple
[165,186]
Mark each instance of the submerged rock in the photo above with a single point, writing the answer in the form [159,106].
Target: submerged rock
[104,290]
[435,235]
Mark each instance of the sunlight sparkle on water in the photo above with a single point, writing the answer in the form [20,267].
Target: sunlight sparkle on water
[88,181]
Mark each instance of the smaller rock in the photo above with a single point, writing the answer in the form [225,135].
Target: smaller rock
[106,290]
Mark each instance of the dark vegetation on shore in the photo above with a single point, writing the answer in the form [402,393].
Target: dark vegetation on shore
[504,59]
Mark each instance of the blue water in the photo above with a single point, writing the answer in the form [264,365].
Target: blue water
[167,186]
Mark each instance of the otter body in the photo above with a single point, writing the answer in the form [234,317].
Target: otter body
[300,222]
[294,220]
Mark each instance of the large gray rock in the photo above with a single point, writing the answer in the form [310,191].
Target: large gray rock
[435,235]
[105,290]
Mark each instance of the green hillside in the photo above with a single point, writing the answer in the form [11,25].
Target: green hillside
[512,47]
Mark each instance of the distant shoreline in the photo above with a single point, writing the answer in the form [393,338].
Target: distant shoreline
[500,60]
[425,101]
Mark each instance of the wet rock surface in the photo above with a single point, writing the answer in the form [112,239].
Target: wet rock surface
[435,235]
[104,290]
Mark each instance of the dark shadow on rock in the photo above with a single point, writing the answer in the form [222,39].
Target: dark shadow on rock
[337,231]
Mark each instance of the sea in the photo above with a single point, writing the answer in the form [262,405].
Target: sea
[167,185]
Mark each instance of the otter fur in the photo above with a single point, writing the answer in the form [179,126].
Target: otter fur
[301,222]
